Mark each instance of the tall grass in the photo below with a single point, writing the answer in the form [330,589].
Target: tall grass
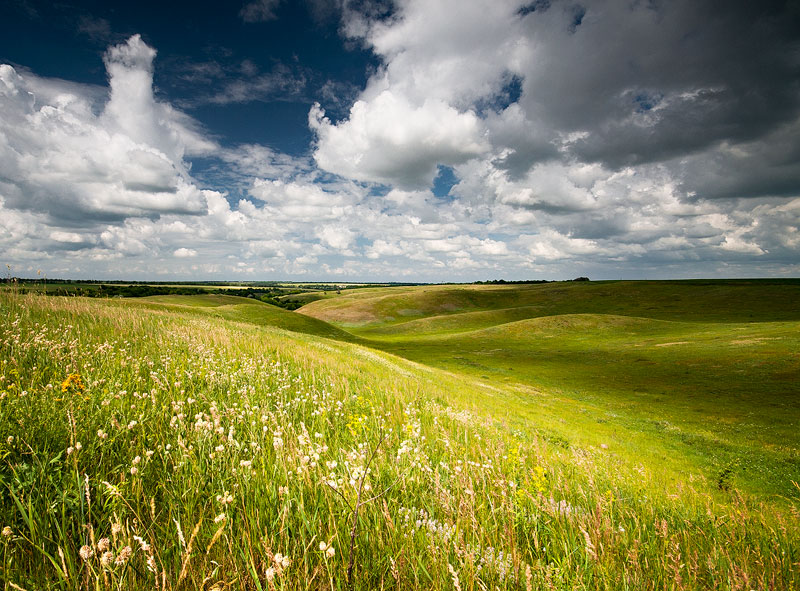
[147,449]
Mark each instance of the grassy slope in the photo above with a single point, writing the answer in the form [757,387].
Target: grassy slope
[714,301]
[185,399]
[250,311]
[692,371]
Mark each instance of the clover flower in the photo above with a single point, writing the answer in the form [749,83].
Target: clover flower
[124,555]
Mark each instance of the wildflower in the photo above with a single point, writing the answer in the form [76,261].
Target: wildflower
[149,453]
[124,555]
[70,449]
[245,463]
[86,552]
[219,448]
[134,470]
[225,498]
[10,439]
[103,545]
[151,563]
[79,446]
[330,552]
[102,434]
[136,460]
[270,574]
[219,518]
[322,546]
[7,532]
[132,424]
[285,561]
[116,528]
[145,546]
[73,383]
[107,558]
[283,490]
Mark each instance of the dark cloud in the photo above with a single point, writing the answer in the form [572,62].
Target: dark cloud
[768,166]
[647,82]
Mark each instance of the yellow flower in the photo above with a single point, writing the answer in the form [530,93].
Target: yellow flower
[73,383]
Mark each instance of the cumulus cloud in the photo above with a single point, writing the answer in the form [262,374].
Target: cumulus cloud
[62,159]
[389,140]
[610,139]
[598,131]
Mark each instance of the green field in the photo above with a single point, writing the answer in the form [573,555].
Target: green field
[619,435]
[700,375]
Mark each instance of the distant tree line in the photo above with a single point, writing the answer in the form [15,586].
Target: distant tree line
[522,281]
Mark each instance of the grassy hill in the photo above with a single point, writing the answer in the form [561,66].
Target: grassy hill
[248,310]
[208,442]
[703,372]
[703,300]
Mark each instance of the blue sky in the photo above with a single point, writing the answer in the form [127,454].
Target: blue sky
[410,140]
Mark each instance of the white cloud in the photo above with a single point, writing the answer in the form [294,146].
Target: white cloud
[72,237]
[389,140]
[59,158]
[565,162]
[336,236]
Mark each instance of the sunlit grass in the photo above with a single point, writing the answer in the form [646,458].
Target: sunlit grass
[197,452]
[699,376]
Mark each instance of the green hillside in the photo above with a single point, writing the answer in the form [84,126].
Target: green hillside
[704,371]
[712,300]
[248,310]
[216,442]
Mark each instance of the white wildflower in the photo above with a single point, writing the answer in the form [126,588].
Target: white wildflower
[124,555]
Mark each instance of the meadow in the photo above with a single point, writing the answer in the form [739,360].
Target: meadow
[695,375]
[214,442]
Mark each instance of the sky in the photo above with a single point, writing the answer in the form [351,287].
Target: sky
[405,140]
